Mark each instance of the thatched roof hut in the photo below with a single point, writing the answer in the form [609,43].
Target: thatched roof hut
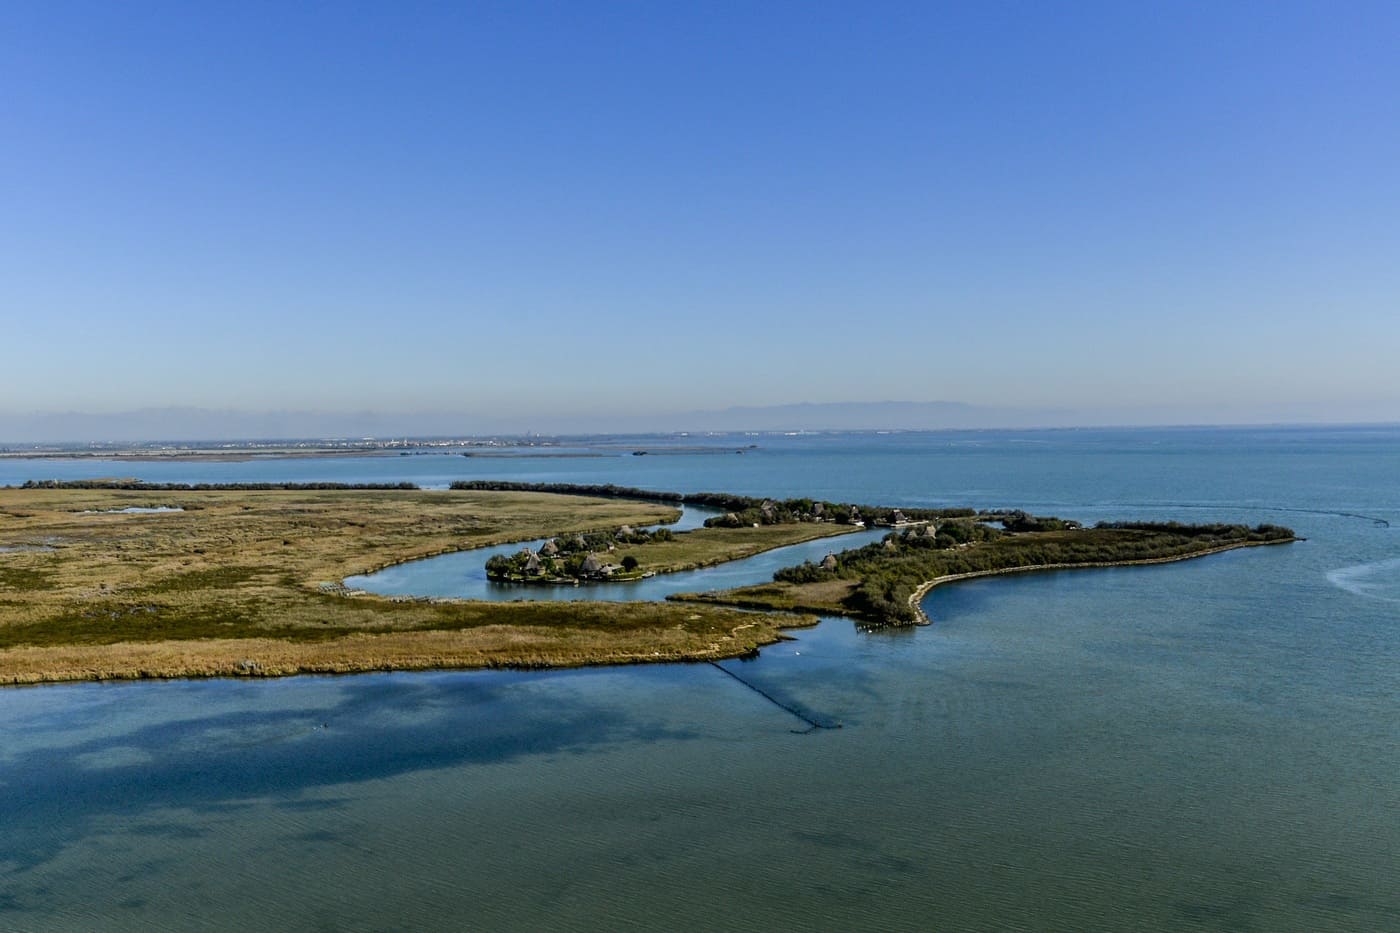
[532,561]
[898,517]
[549,548]
[829,562]
[592,566]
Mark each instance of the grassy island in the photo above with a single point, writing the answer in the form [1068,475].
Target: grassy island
[121,579]
[629,555]
[880,584]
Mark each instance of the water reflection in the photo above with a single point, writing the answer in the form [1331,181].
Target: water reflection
[314,732]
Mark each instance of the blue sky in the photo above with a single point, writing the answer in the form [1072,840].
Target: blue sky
[642,207]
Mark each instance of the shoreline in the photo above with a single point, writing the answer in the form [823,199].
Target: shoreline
[921,617]
[686,568]
[423,651]
[440,650]
[229,587]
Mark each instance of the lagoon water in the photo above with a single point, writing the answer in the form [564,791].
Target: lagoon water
[1213,744]
[463,575]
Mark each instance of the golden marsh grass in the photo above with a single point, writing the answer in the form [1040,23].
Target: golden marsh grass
[232,585]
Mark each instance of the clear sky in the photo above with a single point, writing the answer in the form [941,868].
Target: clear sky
[637,207]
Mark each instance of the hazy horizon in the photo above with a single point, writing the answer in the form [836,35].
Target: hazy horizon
[524,213]
[201,425]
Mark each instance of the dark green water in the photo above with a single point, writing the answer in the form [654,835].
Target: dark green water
[1206,745]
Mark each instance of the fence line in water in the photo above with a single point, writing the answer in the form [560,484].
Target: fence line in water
[811,723]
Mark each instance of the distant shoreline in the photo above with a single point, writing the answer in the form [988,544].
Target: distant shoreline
[208,456]
[246,455]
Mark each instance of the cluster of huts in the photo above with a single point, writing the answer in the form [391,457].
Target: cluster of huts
[594,566]
[926,530]
[918,530]
[772,513]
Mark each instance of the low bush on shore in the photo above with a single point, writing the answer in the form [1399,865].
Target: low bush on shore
[885,575]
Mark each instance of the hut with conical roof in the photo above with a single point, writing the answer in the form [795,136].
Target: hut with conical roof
[549,549]
[593,567]
[829,562]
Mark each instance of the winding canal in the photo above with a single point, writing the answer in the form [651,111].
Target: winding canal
[462,575]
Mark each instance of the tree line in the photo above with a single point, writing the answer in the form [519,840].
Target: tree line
[740,510]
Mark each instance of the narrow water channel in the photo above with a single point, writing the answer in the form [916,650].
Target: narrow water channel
[462,575]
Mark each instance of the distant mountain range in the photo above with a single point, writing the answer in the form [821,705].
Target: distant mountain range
[858,416]
[198,424]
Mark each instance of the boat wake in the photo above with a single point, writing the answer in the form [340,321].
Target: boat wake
[1377,580]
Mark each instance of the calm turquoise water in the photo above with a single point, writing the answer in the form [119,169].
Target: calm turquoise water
[1213,744]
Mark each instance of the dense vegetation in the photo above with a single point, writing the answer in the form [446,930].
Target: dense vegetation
[717,500]
[887,573]
[566,558]
[1021,521]
[744,511]
[596,490]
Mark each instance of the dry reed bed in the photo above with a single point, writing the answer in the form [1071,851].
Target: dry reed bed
[231,585]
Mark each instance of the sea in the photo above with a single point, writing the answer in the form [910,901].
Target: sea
[1207,745]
